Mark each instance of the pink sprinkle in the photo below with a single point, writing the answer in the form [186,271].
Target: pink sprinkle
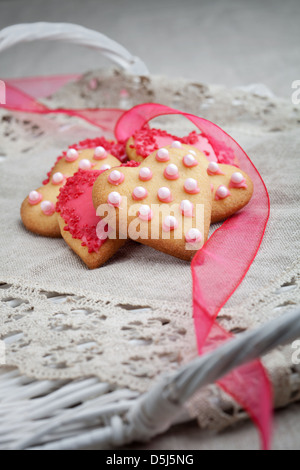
[34,198]
[139,193]
[162,155]
[47,207]
[145,213]
[58,178]
[145,174]
[190,161]
[176,144]
[164,194]
[100,153]
[191,186]
[214,169]
[237,180]
[186,208]
[85,164]
[105,167]
[116,177]
[170,223]
[171,172]
[114,199]
[222,192]
[72,155]
[193,236]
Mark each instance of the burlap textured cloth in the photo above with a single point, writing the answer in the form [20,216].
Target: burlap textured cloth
[130,321]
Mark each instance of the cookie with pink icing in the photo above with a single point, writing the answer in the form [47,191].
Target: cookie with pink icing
[79,224]
[38,209]
[78,221]
[146,140]
[168,202]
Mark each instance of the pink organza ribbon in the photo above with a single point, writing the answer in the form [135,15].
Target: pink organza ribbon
[220,266]
[18,99]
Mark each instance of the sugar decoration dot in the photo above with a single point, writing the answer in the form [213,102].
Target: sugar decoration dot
[222,192]
[164,194]
[213,167]
[47,207]
[100,153]
[171,172]
[116,177]
[72,155]
[162,155]
[145,213]
[176,144]
[114,198]
[105,167]
[186,208]
[191,186]
[189,160]
[139,193]
[85,164]
[34,197]
[193,236]
[237,177]
[145,174]
[57,178]
[170,223]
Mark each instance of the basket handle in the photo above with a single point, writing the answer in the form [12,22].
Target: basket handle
[75,34]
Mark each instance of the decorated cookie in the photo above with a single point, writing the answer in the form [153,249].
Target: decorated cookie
[78,220]
[146,140]
[164,203]
[38,209]
[170,200]
[79,223]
